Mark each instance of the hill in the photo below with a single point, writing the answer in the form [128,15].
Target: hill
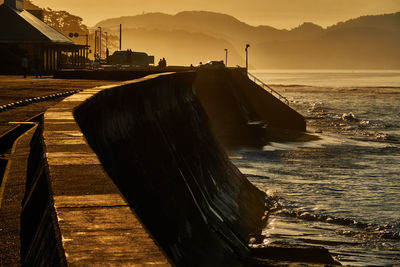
[366,42]
[389,22]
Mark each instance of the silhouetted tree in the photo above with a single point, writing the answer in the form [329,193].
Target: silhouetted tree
[63,21]
[67,23]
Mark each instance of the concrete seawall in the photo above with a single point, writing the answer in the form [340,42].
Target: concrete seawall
[134,173]
[241,112]
[264,106]
[154,141]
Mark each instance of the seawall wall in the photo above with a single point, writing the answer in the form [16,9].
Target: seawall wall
[133,175]
[241,112]
[154,140]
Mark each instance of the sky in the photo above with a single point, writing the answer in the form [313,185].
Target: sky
[281,14]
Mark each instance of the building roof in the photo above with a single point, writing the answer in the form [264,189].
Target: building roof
[23,27]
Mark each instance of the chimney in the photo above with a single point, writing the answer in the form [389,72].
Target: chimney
[16,4]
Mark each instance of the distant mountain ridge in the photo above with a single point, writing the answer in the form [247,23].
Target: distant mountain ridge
[306,46]
[389,22]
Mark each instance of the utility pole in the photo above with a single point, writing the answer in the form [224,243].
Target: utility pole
[106,33]
[226,57]
[120,37]
[87,47]
[247,59]
[107,52]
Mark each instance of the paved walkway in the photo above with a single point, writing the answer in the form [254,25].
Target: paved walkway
[97,225]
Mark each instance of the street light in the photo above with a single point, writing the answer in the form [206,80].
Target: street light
[247,59]
[95,44]
[226,57]
[100,43]
[107,52]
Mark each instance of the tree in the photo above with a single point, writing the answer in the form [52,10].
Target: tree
[67,23]
[64,21]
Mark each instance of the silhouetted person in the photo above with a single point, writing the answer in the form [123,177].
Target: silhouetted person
[107,53]
[37,66]
[25,65]
[162,63]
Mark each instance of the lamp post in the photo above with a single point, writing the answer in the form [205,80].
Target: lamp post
[87,46]
[107,52]
[120,37]
[226,57]
[95,44]
[247,59]
[100,43]
[106,33]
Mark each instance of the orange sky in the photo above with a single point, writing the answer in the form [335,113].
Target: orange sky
[277,13]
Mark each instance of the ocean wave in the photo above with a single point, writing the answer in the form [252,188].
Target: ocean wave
[256,176]
[364,230]
[349,117]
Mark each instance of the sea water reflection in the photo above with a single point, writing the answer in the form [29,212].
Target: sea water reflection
[341,191]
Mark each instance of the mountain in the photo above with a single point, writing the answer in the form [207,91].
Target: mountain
[192,36]
[352,48]
[389,22]
[211,23]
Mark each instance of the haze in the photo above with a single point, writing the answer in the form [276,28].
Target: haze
[277,13]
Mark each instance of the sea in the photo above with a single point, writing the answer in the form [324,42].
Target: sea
[341,190]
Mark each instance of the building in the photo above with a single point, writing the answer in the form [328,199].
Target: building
[130,58]
[23,34]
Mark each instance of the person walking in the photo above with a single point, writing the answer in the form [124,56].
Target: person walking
[25,65]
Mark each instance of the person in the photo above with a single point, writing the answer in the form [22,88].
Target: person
[162,63]
[25,65]
[37,66]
